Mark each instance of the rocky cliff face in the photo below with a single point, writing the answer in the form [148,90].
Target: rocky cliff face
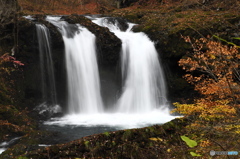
[108,49]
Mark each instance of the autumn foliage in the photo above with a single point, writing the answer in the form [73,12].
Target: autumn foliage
[12,120]
[213,69]
[218,66]
[9,66]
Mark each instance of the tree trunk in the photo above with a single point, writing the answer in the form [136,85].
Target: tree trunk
[8,23]
[118,4]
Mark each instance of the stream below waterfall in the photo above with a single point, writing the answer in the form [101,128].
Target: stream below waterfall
[73,127]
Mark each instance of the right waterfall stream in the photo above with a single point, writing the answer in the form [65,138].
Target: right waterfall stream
[144,87]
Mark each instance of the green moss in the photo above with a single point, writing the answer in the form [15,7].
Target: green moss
[147,28]
[86,143]
[180,15]
[131,17]
[127,135]
[106,133]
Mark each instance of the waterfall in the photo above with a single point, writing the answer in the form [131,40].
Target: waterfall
[82,70]
[46,64]
[144,86]
[143,99]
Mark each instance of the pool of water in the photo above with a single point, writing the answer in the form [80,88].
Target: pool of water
[69,133]
[72,127]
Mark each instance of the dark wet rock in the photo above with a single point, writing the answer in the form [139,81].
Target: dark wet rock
[44,111]
[125,3]
[108,45]
[28,53]
[120,22]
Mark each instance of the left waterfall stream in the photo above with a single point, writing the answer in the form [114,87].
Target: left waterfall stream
[84,97]
[49,103]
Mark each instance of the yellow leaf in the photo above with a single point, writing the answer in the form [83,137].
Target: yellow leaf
[156,139]
[212,56]
[168,150]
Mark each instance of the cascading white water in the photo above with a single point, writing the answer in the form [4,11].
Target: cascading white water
[46,64]
[144,87]
[82,70]
[143,101]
